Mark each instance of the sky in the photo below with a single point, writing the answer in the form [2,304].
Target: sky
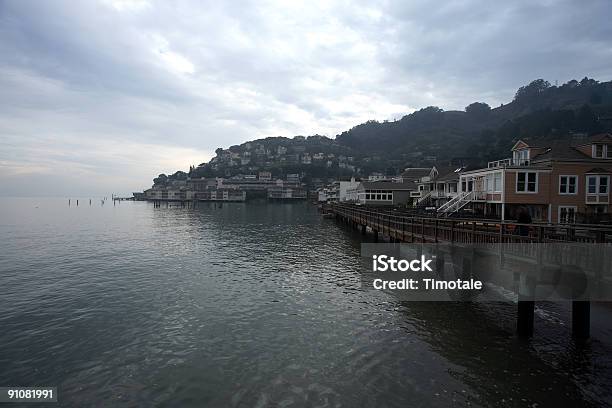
[99,97]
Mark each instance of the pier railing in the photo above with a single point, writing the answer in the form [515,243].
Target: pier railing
[407,227]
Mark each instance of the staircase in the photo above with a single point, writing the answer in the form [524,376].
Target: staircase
[457,203]
[422,201]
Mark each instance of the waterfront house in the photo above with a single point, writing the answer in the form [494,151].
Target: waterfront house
[283,192]
[342,191]
[221,194]
[328,194]
[384,193]
[346,188]
[438,186]
[416,175]
[566,181]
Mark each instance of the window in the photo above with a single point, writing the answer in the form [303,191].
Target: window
[568,184]
[497,178]
[527,182]
[521,157]
[592,184]
[493,182]
[597,184]
[603,184]
[602,151]
[598,151]
[567,214]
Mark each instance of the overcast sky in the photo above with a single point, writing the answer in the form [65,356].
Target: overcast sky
[101,96]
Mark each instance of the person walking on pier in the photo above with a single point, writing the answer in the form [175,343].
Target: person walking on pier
[523,218]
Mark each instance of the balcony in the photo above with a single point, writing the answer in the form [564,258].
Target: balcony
[507,162]
[500,163]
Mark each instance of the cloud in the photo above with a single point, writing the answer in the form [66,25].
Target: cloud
[92,87]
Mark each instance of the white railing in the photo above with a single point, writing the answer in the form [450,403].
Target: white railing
[500,163]
[457,203]
[507,162]
[425,197]
[450,202]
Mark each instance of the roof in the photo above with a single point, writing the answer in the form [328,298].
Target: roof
[493,169]
[598,170]
[388,185]
[445,170]
[602,137]
[567,149]
[414,173]
[560,150]
[450,176]
[524,143]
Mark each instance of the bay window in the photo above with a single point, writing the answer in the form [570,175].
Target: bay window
[597,185]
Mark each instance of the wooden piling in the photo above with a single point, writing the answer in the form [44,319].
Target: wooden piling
[525,318]
[581,319]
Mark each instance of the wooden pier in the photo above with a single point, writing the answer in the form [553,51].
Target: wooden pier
[396,226]
[393,225]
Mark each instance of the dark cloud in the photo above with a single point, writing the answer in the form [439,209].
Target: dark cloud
[116,91]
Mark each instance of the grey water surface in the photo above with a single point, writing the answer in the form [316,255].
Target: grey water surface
[256,305]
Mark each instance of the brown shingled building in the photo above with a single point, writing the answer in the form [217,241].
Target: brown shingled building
[566,182]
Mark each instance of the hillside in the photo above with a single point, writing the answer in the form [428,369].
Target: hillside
[538,110]
[475,135]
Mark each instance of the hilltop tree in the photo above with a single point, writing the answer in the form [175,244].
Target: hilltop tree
[478,109]
[529,93]
[179,175]
[161,179]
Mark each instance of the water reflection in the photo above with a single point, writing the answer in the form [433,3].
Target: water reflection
[251,305]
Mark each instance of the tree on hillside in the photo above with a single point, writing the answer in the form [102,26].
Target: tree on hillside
[529,93]
[586,81]
[587,120]
[428,115]
[430,110]
[161,179]
[478,109]
[179,175]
